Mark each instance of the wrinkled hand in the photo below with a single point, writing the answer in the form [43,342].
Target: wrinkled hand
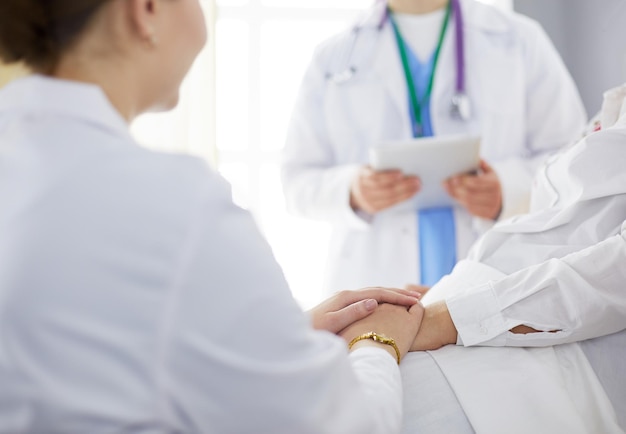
[396,322]
[437,328]
[347,307]
[480,194]
[373,191]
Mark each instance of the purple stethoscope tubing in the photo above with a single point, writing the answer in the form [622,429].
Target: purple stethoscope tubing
[460,47]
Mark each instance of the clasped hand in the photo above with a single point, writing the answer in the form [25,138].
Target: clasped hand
[395,313]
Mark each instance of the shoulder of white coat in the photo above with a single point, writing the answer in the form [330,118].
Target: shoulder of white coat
[194,173]
[342,41]
[498,21]
[178,179]
[331,47]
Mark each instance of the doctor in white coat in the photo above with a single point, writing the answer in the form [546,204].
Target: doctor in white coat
[552,281]
[514,91]
[134,295]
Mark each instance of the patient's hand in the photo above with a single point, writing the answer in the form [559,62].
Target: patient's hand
[437,328]
[347,307]
[397,322]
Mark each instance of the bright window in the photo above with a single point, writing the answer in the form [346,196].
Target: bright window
[235,109]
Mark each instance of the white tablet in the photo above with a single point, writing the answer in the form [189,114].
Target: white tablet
[433,159]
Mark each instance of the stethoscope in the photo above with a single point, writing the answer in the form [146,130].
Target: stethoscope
[460,107]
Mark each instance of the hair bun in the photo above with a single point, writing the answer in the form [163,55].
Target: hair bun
[24,32]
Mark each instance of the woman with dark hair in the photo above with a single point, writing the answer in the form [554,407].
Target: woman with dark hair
[134,296]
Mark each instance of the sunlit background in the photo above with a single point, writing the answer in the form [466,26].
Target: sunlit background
[235,109]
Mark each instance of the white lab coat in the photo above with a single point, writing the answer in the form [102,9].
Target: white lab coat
[135,297]
[560,267]
[524,105]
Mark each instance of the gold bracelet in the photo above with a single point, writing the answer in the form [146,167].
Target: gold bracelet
[377,338]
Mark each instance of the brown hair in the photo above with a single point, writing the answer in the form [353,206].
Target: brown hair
[38,32]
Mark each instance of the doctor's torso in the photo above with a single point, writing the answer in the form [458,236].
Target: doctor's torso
[373,106]
[523,105]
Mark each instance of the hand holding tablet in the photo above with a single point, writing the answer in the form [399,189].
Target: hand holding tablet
[433,160]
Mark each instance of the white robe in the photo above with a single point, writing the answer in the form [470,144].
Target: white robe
[525,106]
[559,268]
[135,297]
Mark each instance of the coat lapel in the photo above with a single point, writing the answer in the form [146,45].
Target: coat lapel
[388,70]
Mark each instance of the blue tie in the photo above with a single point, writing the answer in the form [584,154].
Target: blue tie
[436,227]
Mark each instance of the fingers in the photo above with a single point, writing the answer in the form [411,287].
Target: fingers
[405,187]
[372,178]
[468,198]
[374,191]
[381,196]
[396,296]
[485,167]
[420,289]
[403,297]
[349,307]
[474,183]
[480,194]
[342,318]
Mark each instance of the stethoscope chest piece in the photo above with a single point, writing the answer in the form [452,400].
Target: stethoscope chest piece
[461,107]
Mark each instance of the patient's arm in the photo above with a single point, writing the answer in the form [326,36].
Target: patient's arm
[438,329]
[581,296]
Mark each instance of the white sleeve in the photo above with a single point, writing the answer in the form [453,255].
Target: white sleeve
[554,117]
[240,355]
[581,296]
[314,185]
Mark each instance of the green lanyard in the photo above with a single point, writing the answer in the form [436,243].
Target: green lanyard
[418,129]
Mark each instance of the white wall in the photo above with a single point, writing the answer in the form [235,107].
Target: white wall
[591,37]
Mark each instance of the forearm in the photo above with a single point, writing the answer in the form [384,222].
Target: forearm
[436,330]
[380,389]
[578,297]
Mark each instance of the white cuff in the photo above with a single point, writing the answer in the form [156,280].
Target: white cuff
[477,317]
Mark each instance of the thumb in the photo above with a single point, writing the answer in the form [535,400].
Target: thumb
[352,313]
[485,167]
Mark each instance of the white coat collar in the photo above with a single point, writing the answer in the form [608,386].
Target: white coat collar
[475,15]
[40,94]
[613,110]
[388,65]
